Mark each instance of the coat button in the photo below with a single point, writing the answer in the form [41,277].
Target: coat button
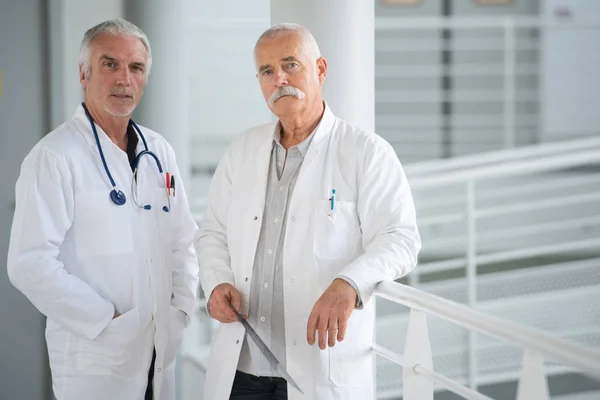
[293,218]
[158,370]
[295,342]
[293,280]
[255,218]
[237,341]
[246,279]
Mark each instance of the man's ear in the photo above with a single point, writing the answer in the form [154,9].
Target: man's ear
[82,79]
[322,69]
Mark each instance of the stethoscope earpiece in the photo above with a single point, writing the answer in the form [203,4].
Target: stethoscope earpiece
[117,197]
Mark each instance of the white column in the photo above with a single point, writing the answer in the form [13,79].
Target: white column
[345,32]
[164,107]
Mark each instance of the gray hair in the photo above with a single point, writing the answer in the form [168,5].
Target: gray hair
[309,44]
[117,26]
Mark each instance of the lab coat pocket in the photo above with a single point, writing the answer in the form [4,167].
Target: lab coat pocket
[336,233]
[115,350]
[165,219]
[101,227]
[177,321]
[349,368]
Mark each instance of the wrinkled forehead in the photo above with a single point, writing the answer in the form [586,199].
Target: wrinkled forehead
[282,46]
[119,46]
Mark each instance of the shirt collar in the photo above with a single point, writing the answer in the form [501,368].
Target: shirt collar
[322,129]
[82,123]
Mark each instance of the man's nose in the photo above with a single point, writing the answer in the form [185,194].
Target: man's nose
[123,76]
[280,78]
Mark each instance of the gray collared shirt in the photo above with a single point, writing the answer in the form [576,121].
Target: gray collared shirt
[266,308]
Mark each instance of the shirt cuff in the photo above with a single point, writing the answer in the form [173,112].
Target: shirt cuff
[358,305]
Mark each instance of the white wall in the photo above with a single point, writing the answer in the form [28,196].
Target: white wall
[224,95]
[570,83]
[24,372]
[68,21]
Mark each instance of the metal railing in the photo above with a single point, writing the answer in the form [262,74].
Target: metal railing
[419,374]
[539,202]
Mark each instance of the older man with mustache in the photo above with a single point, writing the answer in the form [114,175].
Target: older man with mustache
[305,217]
[99,243]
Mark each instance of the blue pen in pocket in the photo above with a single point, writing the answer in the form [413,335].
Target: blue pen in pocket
[332,202]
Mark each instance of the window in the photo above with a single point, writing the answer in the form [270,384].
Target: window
[494,2]
[401,2]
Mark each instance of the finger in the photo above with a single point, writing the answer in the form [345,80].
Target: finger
[313,319]
[342,325]
[225,311]
[322,328]
[235,299]
[332,330]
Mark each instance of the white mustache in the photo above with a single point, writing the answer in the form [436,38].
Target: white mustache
[122,91]
[285,91]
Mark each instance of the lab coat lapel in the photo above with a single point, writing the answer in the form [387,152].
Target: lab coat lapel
[255,195]
[261,172]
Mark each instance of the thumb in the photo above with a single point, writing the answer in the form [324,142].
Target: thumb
[235,299]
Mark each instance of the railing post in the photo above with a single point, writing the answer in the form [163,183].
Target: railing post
[472,277]
[509,83]
[533,384]
[417,351]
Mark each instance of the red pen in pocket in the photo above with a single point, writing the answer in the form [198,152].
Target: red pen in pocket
[168,184]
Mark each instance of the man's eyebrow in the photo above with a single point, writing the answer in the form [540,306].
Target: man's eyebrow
[107,58]
[289,58]
[263,67]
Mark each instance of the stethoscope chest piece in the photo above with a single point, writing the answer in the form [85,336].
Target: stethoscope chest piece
[117,197]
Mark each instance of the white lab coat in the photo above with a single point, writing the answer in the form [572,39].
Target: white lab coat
[370,237]
[77,256]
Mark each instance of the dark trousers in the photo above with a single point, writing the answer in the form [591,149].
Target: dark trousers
[148,395]
[250,387]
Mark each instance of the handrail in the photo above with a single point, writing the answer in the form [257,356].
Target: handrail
[488,158]
[552,163]
[586,359]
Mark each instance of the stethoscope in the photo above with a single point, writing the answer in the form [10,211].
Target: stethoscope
[117,196]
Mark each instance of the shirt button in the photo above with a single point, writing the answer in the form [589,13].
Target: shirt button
[266,285]
[281,188]
[276,220]
[158,370]
[270,251]
[262,319]
[279,164]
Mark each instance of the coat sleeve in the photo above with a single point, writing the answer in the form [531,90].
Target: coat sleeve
[43,215]
[211,244]
[185,263]
[387,219]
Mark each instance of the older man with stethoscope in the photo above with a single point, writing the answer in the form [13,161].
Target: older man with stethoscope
[102,238]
